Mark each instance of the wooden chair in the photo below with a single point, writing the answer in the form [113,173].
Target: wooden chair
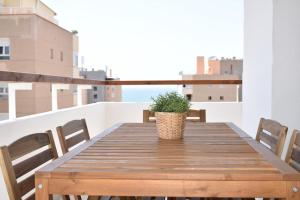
[272,134]
[293,153]
[70,135]
[200,115]
[19,159]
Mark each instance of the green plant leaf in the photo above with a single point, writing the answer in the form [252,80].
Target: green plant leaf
[170,102]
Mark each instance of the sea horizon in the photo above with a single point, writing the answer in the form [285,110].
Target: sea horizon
[145,93]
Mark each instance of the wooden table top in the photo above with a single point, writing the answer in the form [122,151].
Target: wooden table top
[208,151]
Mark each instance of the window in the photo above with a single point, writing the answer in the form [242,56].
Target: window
[221,98]
[95,88]
[4,49]
[75,59]
[3,90]
[209,98]
[95,96]
[51,54]
[61,56]
[189,97]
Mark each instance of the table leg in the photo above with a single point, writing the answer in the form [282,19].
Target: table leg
[293,190]
[41,185]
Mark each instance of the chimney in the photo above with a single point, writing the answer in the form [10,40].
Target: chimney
[110,73]
[200,65]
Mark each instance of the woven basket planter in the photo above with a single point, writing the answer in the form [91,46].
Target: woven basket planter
[170,125]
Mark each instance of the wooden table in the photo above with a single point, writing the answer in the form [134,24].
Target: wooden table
[213,160]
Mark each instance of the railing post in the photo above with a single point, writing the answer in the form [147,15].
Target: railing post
[12,87]
[54,88]
[237,93]
[79,93]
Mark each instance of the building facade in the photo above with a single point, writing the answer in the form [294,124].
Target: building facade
[101,93]
[216,69]
[31,41]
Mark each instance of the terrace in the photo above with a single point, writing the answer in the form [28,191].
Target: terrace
[270,85]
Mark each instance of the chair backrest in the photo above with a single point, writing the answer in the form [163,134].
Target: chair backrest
[272,134]
[72,133]
[21,158]
[293,154]
[192,115]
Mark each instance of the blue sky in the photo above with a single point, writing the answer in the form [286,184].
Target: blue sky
[152,39]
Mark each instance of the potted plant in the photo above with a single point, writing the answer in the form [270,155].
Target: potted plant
[170,112]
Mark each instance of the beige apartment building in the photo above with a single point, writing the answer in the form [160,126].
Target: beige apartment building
[33,42]
[215,69]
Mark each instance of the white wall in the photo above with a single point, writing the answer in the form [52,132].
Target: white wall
[98,117]
[257,74]
[286,67]
[271,63]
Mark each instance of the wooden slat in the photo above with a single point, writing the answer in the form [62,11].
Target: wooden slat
[272,126]
[75,140]
[28,144]
[296,154]
[174,82]
[33,162]
[176,188]
[72,127]
[269,139]
[200,114]
[26,185]
[26,77]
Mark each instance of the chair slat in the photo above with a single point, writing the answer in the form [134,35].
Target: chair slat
[27,145]
[269,139]
[26,185]
[200,114]
[296,154]
[295,165]
[272,126]
[31,163]
[76,139]
[72,127]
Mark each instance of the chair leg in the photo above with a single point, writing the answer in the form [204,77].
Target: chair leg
[66,197]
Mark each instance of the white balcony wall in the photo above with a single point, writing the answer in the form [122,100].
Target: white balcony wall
[215,112]
[286,65]
[257,80]
[271,82]
[100,116]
